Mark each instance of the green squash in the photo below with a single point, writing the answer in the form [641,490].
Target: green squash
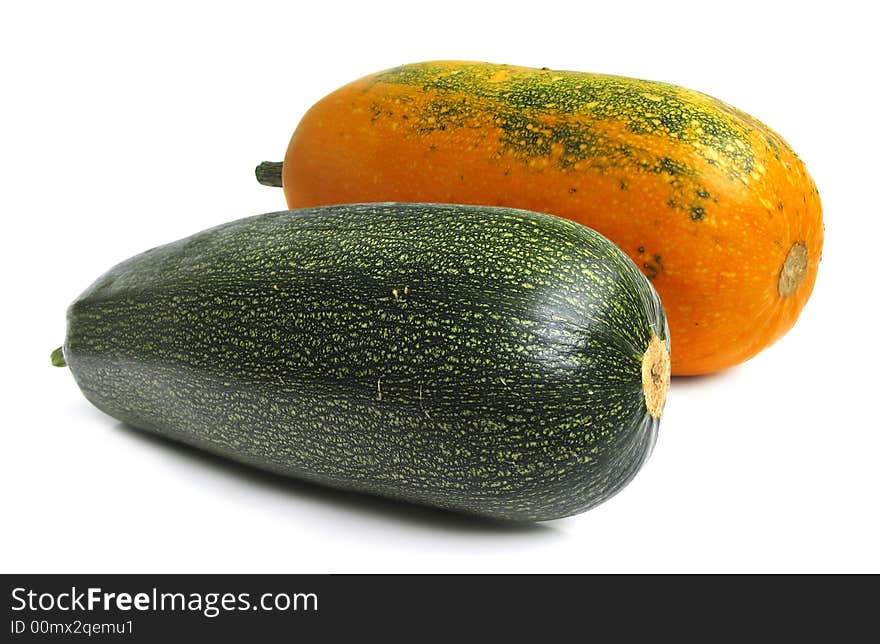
[485,360]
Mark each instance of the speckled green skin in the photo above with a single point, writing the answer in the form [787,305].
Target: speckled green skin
[483,360]
[534,109]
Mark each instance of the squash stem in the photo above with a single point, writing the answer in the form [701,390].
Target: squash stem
[269,173]
[655,375]
[794,269]
[57,358]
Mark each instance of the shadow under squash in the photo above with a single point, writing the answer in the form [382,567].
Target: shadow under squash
[703,380]
[399,511]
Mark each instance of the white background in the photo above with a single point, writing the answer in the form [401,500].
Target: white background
[124,128]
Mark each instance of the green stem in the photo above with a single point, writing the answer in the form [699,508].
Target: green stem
[269,173]
[58,358]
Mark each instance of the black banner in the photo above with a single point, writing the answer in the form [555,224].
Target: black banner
[415,607]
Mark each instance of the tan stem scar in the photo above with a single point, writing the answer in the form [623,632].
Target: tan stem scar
[655,375]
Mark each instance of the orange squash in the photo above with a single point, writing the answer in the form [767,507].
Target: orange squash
[712,205]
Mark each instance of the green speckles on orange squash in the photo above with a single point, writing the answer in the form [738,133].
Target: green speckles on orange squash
[571,121]
[553,113]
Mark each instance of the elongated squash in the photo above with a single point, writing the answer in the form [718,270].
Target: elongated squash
[712,205]
[490,361]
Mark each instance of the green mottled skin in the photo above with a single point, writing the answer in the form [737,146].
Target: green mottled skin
[529,96]
[484,360]
[563,116]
